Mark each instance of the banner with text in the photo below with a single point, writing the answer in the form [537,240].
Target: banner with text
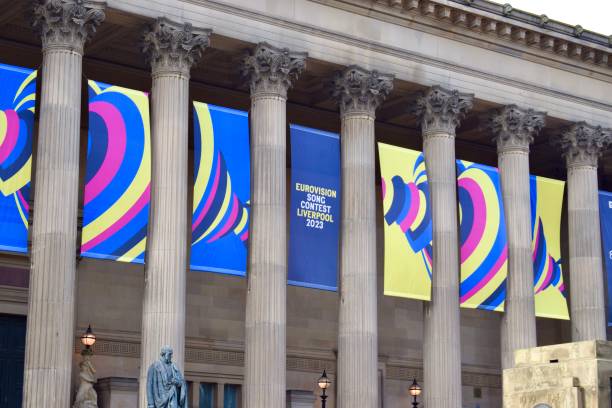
[17,101]
[546,204]
[315,208]
[407,223]
[605,217]
[117,174]
[221,191]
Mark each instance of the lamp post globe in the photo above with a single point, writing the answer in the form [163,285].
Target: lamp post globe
[323,383]
[415,390]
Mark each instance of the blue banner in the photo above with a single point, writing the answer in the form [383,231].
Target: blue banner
[17,100]
[315,208]
[605,217]
[221,191]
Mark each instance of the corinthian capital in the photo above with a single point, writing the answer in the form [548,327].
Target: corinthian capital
[514,128]
[441,110]
[271,70]
[174,47]
[67,24]
[360,90]
[582,144]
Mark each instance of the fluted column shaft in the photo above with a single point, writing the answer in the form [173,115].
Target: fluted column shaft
[163,313]
[442,338]
[359,93]
[440,111]
[51,305]
[358,328]
[581,145]
[518,325]
[270,71]
[585,263]
[266,312]
[172,49]
[513,129]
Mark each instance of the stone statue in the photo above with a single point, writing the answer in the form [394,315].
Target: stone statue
[166,387]
[86,395]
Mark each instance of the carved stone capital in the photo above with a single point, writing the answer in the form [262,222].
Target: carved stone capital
[360,90]
[441,110]
[271,69]
[67,24]
[514,128]
[173,47]
[582,144]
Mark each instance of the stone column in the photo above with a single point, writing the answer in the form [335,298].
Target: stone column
[440,111]
[270,71]
[172,49]
[64,26]
[359,92]
[582,145]
[514,129]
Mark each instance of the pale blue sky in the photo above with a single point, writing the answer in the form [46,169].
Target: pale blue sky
[593,15]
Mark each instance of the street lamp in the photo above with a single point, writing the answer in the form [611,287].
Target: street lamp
[415,390]
[324,384]
[88,339]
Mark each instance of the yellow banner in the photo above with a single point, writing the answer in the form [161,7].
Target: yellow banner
[407,223]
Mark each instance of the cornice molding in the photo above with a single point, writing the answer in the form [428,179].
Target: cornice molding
[571,43]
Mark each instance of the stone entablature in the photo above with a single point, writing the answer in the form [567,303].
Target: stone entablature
[498,22]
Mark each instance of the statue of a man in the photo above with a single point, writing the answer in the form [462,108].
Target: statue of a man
[166,387]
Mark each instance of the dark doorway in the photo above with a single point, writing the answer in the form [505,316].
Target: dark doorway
[12,351]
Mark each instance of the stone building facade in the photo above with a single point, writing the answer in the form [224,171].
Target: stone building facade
[415,73]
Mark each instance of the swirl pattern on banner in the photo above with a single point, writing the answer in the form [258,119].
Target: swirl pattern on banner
[118,174]
[549,289]
[218,210]
[484,249]
[17,105]
[405,193]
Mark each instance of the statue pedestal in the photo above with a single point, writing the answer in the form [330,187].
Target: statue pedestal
[117,392]
[300,399]
[572,375]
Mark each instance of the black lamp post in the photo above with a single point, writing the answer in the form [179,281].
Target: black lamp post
[415,390]
[324,384]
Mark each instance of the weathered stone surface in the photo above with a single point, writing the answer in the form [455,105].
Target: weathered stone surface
[575,375]
[441,110]
[359,90]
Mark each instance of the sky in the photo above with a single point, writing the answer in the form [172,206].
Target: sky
[592,15]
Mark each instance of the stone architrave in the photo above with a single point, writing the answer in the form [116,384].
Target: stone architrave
[359,93]
[513,129]
[440,111]
[64,26]
[270,72]
[172,50]
[581,145]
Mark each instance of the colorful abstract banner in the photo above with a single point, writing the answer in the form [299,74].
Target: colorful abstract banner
[407,223]
[17,101]
[484,249]
[117,174]
[315,208]
[483,239]
[221,193]
[605,219]
[546,204]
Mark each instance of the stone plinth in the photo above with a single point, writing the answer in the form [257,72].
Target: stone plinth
[117,392]
[300,399]
[569,375]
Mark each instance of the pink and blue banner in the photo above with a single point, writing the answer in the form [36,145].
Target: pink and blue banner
[315,208]
[221,193]
[117,174]
[484,250]
[605,219]
[17,101]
